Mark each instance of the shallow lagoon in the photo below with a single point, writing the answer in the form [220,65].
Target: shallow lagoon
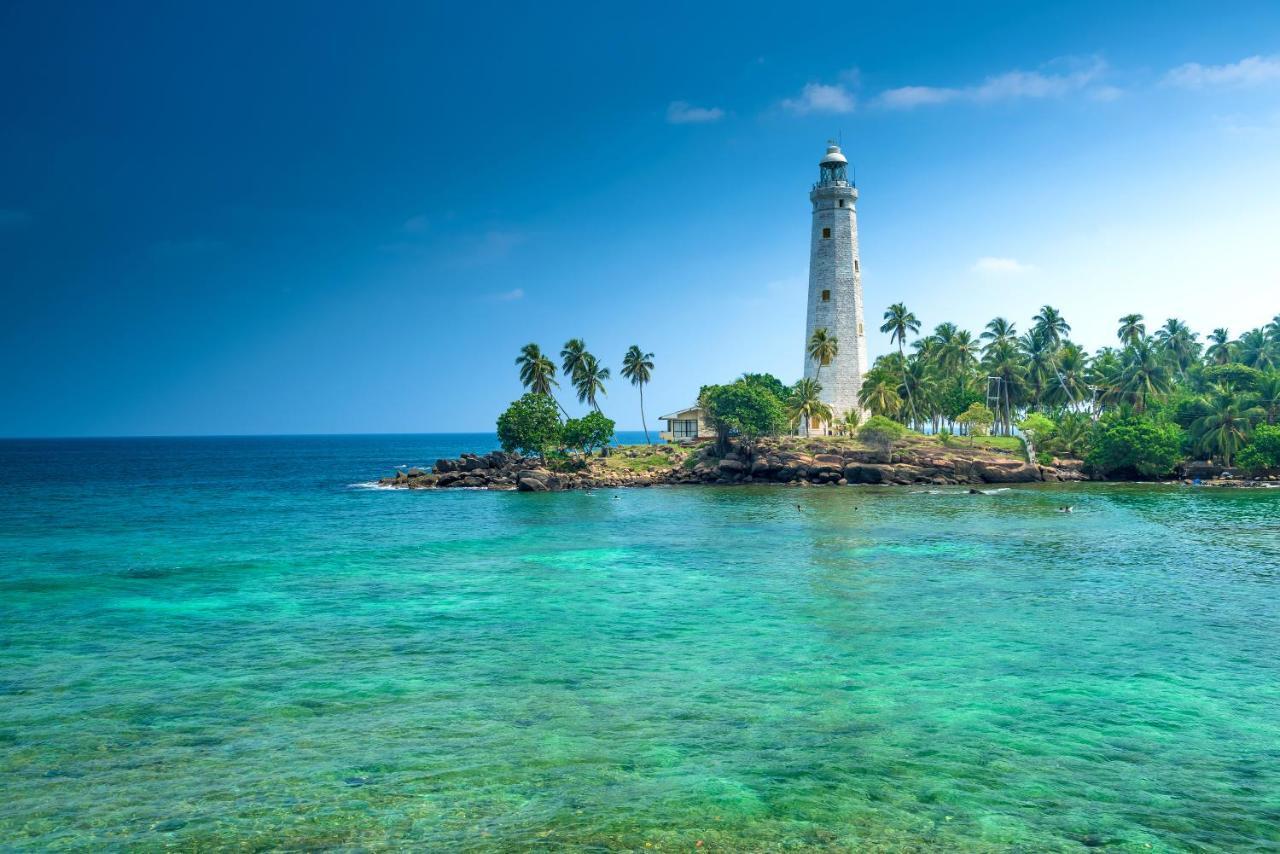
[223,643]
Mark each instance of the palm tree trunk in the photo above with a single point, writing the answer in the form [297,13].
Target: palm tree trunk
[642,422]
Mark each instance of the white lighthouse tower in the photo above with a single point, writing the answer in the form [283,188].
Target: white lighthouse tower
[835,286]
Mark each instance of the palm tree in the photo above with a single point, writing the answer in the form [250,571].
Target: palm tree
[589,381]
[1071,383]
[998,332]
[1179,344]
[1219,352]
[637,366]
[537,372]
[1268,391]
[1040,360]
[572,357]
[1131,329]
[805,404]
[898,321]
[879,393]
[1145,374]
[1227,426]
[823,347]
[1255,350]
[1050,323]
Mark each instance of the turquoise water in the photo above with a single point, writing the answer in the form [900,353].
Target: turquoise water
[221,643]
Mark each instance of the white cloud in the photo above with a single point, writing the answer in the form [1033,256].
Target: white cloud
[1011,85]
[9,217]
[821,98]
[684,113]
[1003,266]
[1247,72]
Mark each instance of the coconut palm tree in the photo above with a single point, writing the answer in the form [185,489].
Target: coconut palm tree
[1040,359]
[823,347]
[805,404]
[537,372]
[1228,424]
[1179,344]
[1131,328]
[1051,324]
[589,381]
[898,321]
[637,366]
[1220,347]
[1105,376]
[1255,350]
[1268,395]
[572,357]
[879,393]
[999,332]
[1145,374]
[1070,382]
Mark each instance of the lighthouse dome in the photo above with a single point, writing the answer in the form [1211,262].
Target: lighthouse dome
[833,156]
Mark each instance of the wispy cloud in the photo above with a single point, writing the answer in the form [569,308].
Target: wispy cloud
[508,296]
[684,113]
[10,217]
[1251,71]
[822,98]
[1011,85]
[1002,266]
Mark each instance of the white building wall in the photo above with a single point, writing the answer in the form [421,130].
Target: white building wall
[834,266]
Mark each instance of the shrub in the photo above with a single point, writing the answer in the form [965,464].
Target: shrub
[1135,446]
[979,420]
[530,425]
[744,409]
[1037,427]
[881,433]
[1263,450]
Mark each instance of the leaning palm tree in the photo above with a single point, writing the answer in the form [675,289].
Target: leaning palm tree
[823,347]
[805,404]
[537,372]
[1050,323]
[589,381]
[898,321]
[572,357]
[637,366]
[1131,329]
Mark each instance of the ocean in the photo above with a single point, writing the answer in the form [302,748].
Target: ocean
[218,643]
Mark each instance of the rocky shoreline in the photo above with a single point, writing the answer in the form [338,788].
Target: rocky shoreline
[783,461]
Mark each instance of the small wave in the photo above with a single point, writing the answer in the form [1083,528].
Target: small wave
[370,484]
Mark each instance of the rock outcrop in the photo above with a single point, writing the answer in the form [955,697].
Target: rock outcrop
[779,461]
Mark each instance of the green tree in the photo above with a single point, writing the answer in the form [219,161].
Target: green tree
[589,381]
[879,393]
[589,432]
[573,357]
[1132,329]
[744,410]
[1227,425]
[769,383]
[898,321]
[637,366]
[882,433]
[1263,451]
[805,404]
[978,419]
[823,347]
[530,425]
[1267,388]
[1037,427]
[1130,445]
[1220,347]
[850,422]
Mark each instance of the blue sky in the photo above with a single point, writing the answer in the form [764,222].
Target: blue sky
[286,218]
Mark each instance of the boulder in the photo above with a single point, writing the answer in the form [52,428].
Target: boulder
[474,463]
[443,466]
[530,484]
[731,466]
[415,472]
[827,463]
[1009,471]
[868,473]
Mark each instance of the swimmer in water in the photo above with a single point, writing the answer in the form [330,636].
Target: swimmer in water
[1066,508]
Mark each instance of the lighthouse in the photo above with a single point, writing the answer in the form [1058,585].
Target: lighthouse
[835,286]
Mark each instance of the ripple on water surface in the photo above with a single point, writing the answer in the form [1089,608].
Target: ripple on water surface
[310,665]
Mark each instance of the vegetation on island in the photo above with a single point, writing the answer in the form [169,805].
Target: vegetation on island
[1137,409]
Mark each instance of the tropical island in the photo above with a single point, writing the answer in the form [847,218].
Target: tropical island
[957,409]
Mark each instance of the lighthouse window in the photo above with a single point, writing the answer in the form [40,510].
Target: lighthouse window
[826,233]
[855,265]
[826,296]
[842,203]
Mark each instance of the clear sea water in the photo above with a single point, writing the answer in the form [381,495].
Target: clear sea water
[221,643]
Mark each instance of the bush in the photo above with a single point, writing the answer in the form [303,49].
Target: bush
[1263,450]
[530,425]
[1037,427]
[1131,445]
[744,409]
[881,433]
